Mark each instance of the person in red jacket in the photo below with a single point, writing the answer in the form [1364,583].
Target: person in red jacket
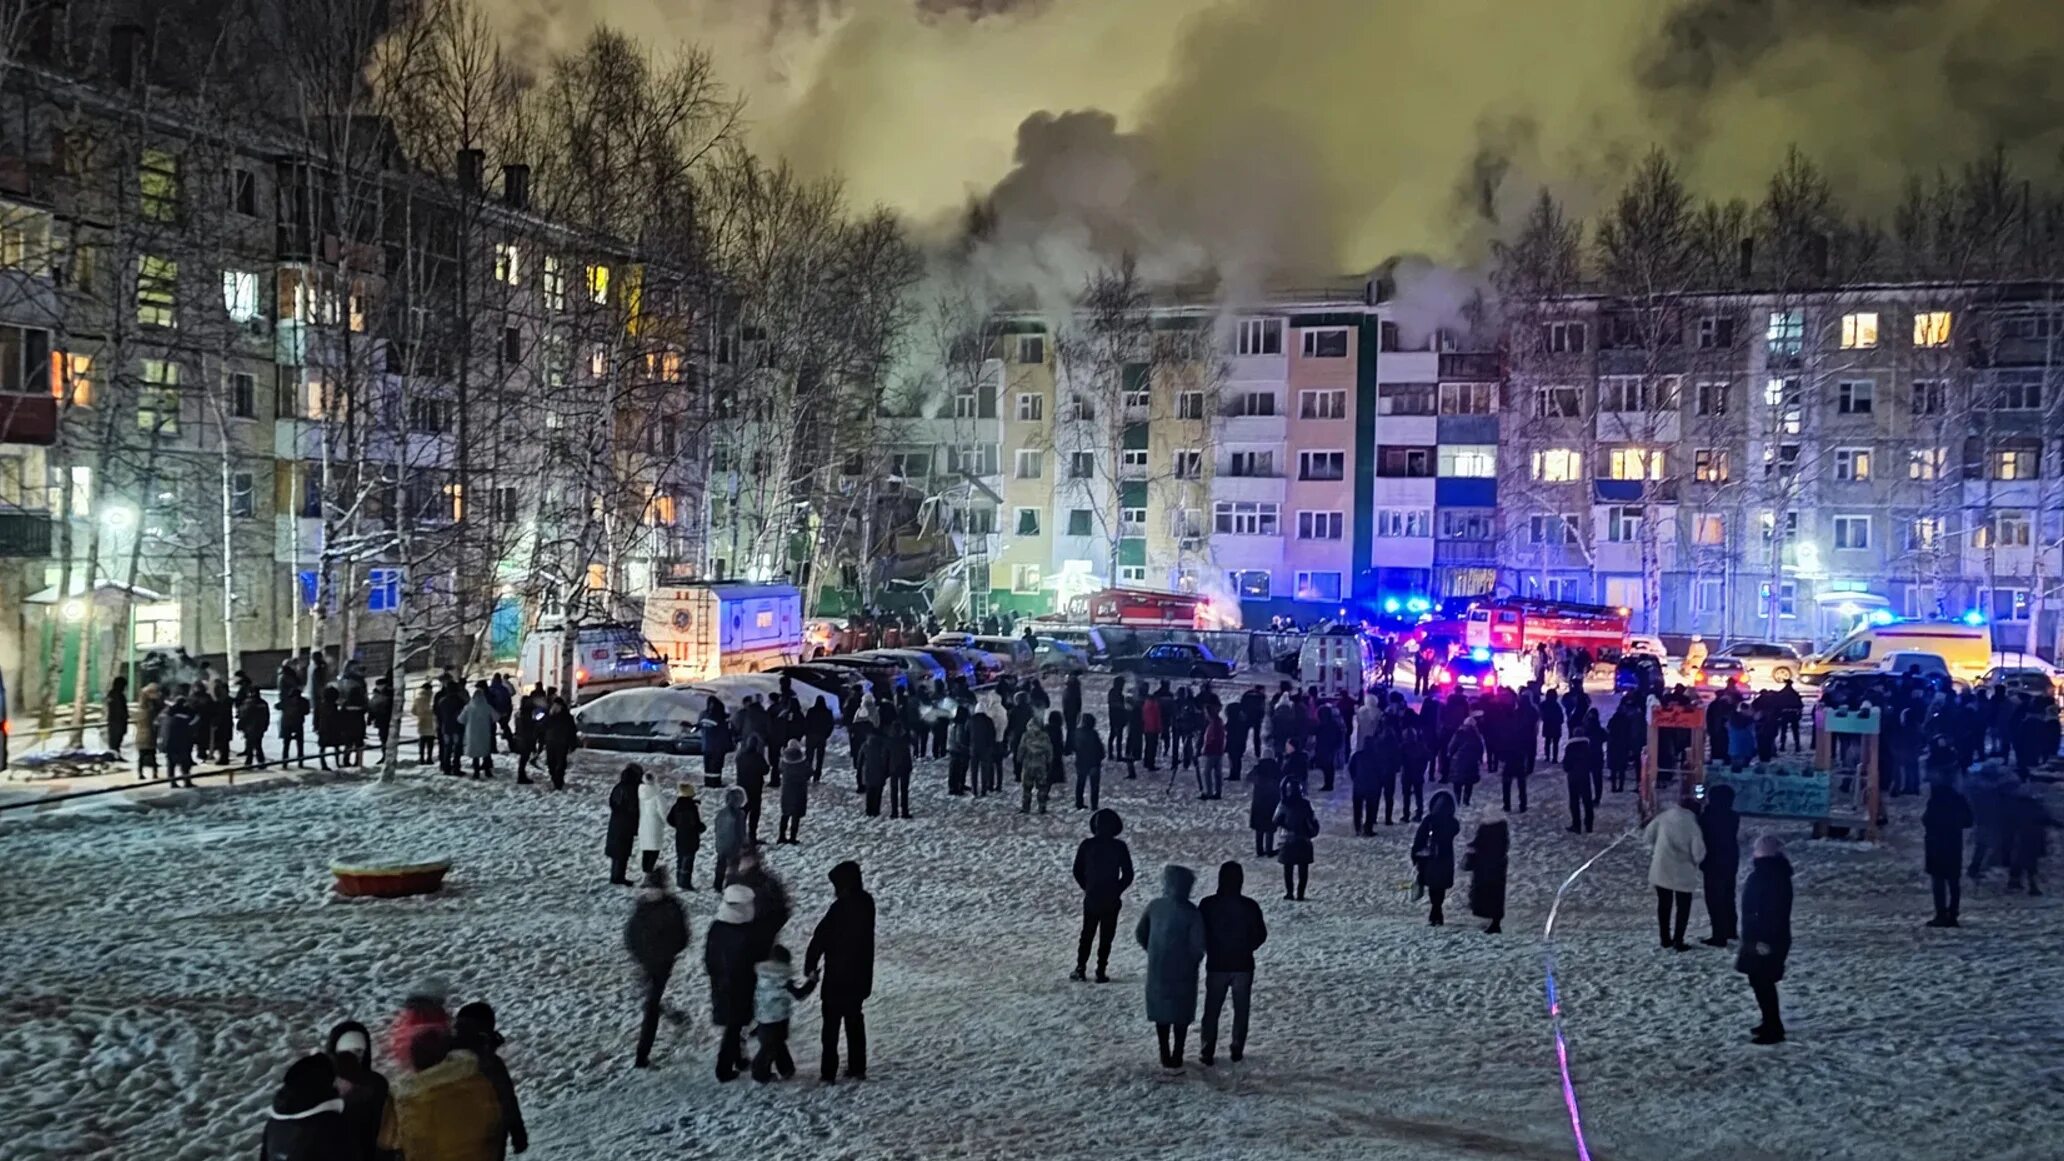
[1211,776]
[423,1008]
[1150,724]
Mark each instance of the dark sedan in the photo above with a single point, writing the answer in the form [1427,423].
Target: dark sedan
[1174,659]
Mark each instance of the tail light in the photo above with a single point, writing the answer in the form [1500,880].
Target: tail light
[580,675]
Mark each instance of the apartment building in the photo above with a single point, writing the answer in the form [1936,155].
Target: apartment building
[1764,465]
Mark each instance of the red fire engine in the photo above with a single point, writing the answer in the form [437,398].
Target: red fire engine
[1148,608]
[1515,625]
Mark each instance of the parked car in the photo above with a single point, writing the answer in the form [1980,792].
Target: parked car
[1174,659]
[644,720]
[1467,672]
[1765,664]
[1011,652]
[830,679]
[914,665]
[1087,640]
[2015,659]
[1057,656]
[1640,674]
[885,677]
[956,662]
[1851,688]
[1718,672]
[1646,645]
[1908,661]
[2018,679]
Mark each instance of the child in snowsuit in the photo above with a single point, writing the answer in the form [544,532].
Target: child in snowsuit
[775,992]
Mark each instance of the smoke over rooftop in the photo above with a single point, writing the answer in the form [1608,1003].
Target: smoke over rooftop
[1262,139]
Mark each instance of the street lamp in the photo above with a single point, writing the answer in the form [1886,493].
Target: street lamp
[118,516]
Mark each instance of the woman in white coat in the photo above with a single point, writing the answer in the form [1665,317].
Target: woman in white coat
[1677,848]
[652,827]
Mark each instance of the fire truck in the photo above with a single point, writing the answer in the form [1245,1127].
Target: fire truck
[1516,625]
[1150,609]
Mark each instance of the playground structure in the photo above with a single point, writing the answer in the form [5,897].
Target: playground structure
[1838,792]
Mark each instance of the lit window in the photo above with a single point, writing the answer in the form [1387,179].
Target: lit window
[598,284]
[508,264]
[2024,463]
[77,379]
[598,576]
[1709,528]
[1931,328]
[157,292]
[1852,463]
[157,175]
[1635,463]
[1709,465]
[554,280]
[1558,465]
[1318,586]
[660,511]
[1924,533]
[1926,463]
[240,294]
[1859,331]
[157,400]
[383,589]
[1474,460]
[598,362]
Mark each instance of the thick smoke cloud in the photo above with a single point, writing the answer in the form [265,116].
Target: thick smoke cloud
[1264,139]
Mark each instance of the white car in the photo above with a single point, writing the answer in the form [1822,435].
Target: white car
[1765,664]
[1647,643]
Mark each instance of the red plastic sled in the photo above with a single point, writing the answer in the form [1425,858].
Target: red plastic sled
[389,880]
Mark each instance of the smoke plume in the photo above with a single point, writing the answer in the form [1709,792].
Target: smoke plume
[1265,139]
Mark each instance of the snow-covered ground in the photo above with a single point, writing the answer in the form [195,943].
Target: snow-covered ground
[162,965]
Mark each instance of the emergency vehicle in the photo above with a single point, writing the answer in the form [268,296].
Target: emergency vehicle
[1517,625]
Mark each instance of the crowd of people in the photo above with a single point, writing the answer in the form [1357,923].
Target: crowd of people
[1290,745]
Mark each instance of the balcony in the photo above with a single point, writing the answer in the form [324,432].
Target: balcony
[25,534]
[28,418]
[1487,366]
[1465,552]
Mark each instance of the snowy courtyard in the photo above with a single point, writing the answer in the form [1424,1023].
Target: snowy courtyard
[164,964]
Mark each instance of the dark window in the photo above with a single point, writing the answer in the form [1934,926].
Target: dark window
[512,344]
[243,395]
[243,192]
[1406,462]
[241,503]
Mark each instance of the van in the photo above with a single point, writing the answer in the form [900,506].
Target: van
[1337,663]
[1965,649]
[606,658]
[1087,639]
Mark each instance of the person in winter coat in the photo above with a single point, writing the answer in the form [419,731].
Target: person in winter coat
[985,758]
[1485,862]
[1626,737]
[1766,931]
[306,1120]
[1465,758]
[1326,746]
[1172,931]
[1035,757]
[875,762]
[1989,788]
[1720,827]
[473,1030]
[150,706]
[1103,869]
[1677,848]
[364,1091]
[1071,709]
[422,708]
[685,816]
[479,721]
[1433,853]
[115,713]
[652,812]
[1150,725]
[253,718]
[1413,760]
[728,830]
[1233,931]
[1551,728]
[715,729]
[795,792]
[1943,824]
[844,944]
[727,956]
[178,728]
[422,1009]
[656,936]
[1089,763]
[775,992]
[959,752]
[1265,794]
[380,709]
[2028,837]
[1296,825]
[1580,776]
[446,1109]
[753,768]
[448,705]
[818,723]
[558,736]
[625,810]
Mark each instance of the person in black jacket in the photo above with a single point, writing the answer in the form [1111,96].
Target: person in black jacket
[1413,758]
[1580,774]
[1486,863]
[985,761]
[306,1120]
[623,823]
[1233,931]
[753,768]
[1071,708]
[728,955]
[1103,869]
[844,943]
[1943,823]
[1766,930]
[1117,714]
[473,1030]
[1089,766]
[115,719]
[350,1049]
[1266,791]
[817,726]
[558,736]
[1722,829]
[1433,853]
[656,936]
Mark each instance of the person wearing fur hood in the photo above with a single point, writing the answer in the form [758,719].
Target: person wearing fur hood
[306,1121]
[350,1049]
